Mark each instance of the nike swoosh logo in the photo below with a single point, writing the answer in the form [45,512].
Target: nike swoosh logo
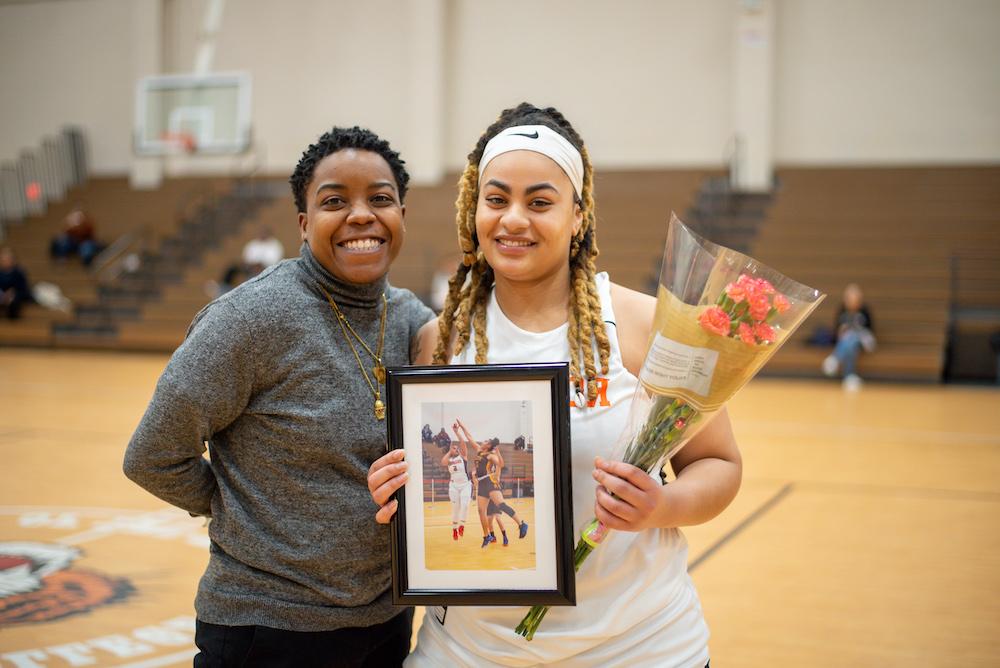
[533,135]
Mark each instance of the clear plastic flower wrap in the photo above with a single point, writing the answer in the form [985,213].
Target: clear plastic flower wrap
[720,316]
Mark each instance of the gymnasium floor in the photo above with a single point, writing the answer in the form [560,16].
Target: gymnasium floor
[442,552]
[867,531]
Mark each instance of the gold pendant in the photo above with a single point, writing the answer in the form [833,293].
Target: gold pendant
[379,409]
[379,371]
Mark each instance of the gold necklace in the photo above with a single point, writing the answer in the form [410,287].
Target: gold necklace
[378,371]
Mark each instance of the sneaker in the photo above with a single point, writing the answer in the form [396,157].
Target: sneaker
[454,534]
[505,539]
[830,366]
[461,530]
[486,540]
[852,383]
[523,530]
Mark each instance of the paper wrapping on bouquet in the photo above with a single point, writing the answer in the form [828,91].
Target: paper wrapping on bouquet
[686,361]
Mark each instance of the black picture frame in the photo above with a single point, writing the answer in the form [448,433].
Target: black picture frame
[542,391]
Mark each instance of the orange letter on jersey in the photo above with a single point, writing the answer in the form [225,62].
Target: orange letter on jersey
[602,393]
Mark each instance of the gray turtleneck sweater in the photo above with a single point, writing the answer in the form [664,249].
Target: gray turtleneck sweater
[266,378]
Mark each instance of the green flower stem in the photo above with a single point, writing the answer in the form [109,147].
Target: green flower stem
[531,621]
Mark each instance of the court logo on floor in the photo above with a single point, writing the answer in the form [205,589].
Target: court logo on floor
[38,583]
[90,586]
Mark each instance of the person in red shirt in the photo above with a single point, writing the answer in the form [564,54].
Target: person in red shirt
[77,237]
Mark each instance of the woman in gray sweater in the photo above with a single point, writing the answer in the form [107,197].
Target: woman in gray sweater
[282,378]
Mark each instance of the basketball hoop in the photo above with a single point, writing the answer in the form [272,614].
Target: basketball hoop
[180,142]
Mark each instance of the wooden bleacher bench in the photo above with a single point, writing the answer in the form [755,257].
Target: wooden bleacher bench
[33,328]
[889,362]
[894,232]
[116,210]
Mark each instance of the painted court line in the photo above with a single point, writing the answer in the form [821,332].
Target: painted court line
[736,530]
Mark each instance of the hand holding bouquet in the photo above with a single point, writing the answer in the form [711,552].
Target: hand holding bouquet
[720,315]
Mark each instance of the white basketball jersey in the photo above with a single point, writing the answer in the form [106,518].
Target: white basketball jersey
[456,467]
[636,604]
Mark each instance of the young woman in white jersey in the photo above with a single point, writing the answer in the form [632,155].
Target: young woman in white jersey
[460,485]
[526,225]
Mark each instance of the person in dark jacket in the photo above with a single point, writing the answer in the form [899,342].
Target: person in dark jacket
[14,289]
[855,333]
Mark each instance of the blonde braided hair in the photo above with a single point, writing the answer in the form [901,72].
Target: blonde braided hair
[469,288]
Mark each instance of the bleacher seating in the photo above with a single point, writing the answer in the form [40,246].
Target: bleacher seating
[894,232]
[116,210]
[924,243]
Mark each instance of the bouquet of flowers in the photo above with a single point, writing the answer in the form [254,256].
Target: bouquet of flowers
[720,316]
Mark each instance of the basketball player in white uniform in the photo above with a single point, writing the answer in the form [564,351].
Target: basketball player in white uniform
[460,485]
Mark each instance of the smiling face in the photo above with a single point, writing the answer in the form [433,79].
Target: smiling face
[526,217]
[353,221]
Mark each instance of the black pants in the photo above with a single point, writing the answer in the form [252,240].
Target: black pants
[384,644]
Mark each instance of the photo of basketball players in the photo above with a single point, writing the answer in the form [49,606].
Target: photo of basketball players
[478,485]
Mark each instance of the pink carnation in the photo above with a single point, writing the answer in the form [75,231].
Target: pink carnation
[746,333]
[736,292]
[715,320]
[763,285]
[780,303]
[764,332]
[759,305]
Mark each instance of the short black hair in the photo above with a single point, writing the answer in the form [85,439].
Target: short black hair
[336,140]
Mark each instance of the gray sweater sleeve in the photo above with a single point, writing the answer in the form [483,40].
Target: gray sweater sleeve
[206,385]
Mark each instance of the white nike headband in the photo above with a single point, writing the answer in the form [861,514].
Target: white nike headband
[540,139]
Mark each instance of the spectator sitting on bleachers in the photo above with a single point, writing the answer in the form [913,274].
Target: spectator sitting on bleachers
[442,439]
[427,434]
[14,290]
[854,333]
[78,236]
[262,252]
[519,443]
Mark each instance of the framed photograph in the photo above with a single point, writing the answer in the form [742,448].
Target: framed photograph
[486,516]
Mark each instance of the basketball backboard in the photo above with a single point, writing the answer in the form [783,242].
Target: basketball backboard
[193,114]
